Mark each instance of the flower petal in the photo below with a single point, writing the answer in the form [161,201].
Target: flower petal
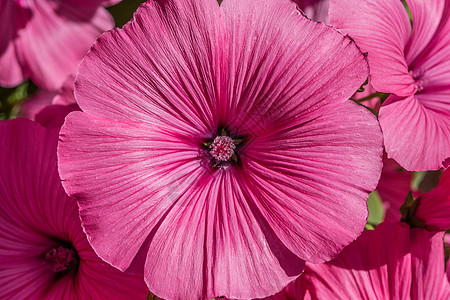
[10,69]
[434,206]
[303,166]
[185,64]
[321,67]
[394,185]
[381,28]
[412,267]
[55,30]
[426,18]
[418,138]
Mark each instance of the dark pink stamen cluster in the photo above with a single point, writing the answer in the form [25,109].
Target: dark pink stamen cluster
[60,258]
[222,148]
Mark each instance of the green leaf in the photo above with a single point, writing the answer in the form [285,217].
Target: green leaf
[376,210]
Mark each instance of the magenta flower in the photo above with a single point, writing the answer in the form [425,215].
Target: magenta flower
[393,187]
[433,208]
[214,146]
[413,65]
[390,262]
[44,253]
[45,40]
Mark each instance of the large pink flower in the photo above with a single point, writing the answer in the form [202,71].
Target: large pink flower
[214,149]
[45,39]
[44,253]
[411,63]
[390,262]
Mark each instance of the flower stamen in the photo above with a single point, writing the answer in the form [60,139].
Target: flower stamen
[61,259]
[222,148]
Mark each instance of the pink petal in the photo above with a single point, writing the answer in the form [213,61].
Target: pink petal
[418,138]
[65,95]
[394,185]
[53,31]
[33,105]
[434,206]
[152,78]
[426,18]
[10,70]
[390,262]
[52,116]
[381,28]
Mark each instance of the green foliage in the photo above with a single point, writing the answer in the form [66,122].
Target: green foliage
[376,210]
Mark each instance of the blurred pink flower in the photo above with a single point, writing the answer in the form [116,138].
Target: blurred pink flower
[45,39]
[44,253]
[390,262]
[413,65]
[214,150]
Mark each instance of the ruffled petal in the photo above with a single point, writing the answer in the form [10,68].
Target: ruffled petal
[418,138]
[412,267]
[434,207]
[426,18]
[56,38]
[382,29]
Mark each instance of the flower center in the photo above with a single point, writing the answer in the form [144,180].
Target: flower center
[222,148]
[61,258]
[418,82]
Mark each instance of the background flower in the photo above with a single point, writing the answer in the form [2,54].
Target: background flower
[411,63]
[45,39]
[44,253]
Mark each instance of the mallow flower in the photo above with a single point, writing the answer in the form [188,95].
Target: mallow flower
[215,143]
[410,60]
[44,253]
[45,39]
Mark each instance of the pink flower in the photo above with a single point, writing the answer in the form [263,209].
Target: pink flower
[44,253]
[316,10]
[50,108]
[390,262]
[413,65]
[215,143]
[45,39]
[393,187]
[433,208]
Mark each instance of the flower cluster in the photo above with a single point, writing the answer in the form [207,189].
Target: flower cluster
[239,149]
